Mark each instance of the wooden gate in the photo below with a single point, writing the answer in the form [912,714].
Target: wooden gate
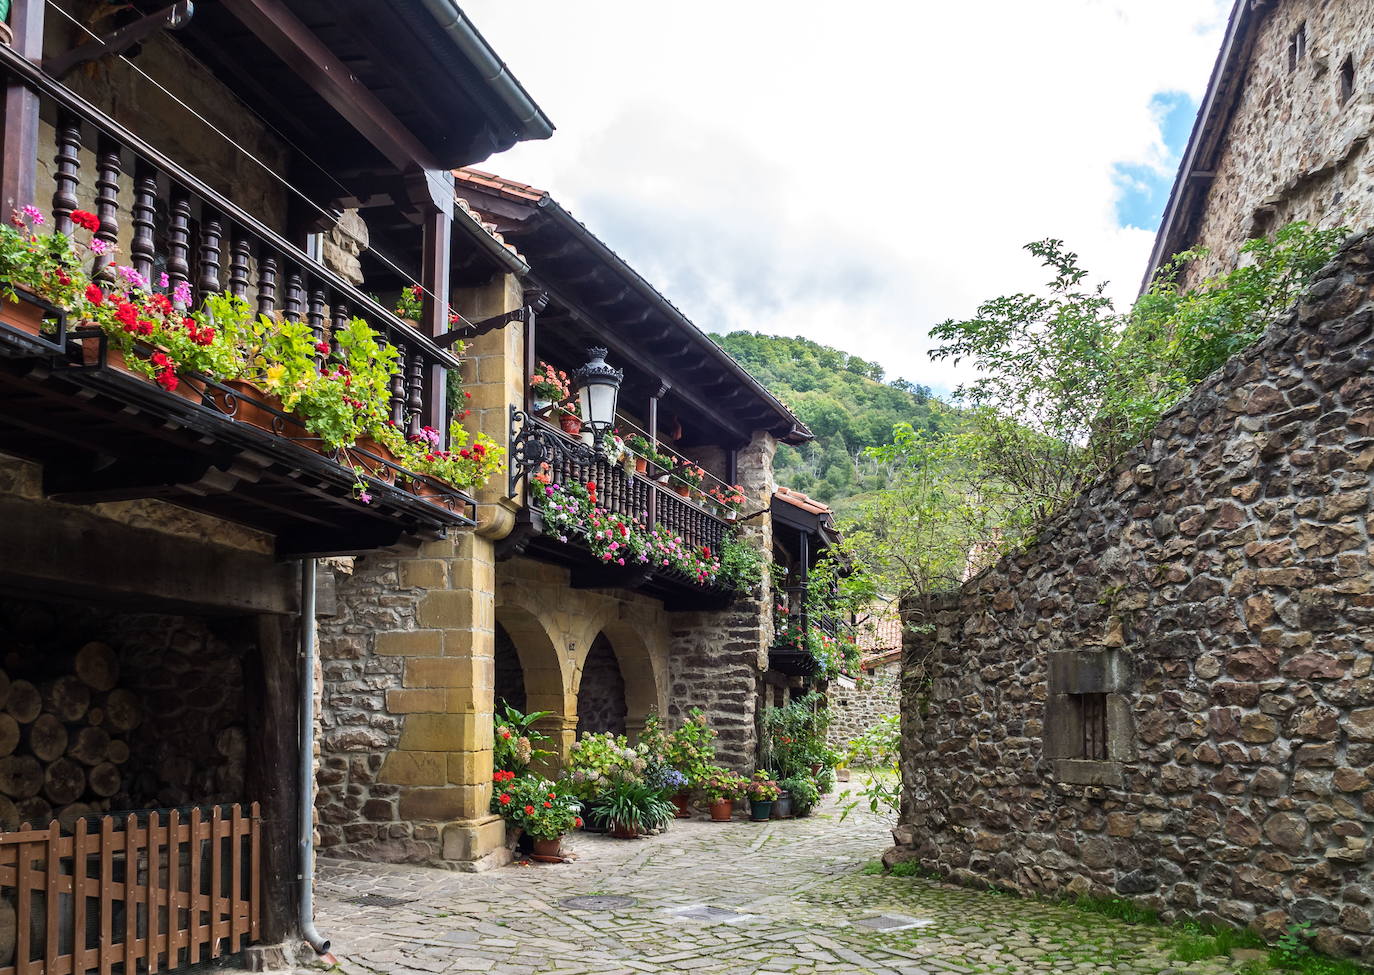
[139,892]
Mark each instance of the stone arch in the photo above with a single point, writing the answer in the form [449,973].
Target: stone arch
[640,670]
[601,704]
[542,671]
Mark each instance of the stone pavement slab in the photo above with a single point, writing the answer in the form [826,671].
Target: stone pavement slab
[787,896]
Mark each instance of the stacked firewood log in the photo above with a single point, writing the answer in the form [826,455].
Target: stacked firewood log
[63,740]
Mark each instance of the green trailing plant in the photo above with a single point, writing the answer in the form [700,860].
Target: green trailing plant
[794,736]
[741,565]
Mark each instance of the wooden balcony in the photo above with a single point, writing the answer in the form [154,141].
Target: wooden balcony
[103,434]
[636,497]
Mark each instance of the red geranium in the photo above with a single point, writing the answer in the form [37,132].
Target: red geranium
[94,295]
[505,799]
[529,810]
[86,219]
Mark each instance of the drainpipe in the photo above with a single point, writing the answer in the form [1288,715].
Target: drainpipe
[307,769]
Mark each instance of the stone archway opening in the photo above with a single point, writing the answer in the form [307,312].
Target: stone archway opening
[509,686]
[601,693]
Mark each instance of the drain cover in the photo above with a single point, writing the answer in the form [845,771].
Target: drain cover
[379,900]
[700,912]
[597,902]
[893,922]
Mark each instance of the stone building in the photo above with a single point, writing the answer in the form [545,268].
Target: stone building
[1170,695]
[420,649]
[1283,133]
[857,704]
[158,545]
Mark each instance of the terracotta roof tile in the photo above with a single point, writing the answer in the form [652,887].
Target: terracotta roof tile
[797,499]
[499,185]
[879,636]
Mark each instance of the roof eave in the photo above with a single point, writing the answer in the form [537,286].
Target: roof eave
[790,429]
[1215,104]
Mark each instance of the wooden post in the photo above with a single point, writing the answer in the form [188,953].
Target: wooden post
[435,261]
[271,763]
[20,169]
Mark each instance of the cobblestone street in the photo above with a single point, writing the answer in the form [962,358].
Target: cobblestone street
[786,896]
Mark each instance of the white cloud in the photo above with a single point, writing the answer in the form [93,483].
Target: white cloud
[849,172]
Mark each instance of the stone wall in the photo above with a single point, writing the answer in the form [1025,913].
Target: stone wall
[1294,150]
[1207,608]
[854,710]
[719,658]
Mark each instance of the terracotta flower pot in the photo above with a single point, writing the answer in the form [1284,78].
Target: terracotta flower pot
[683,490]
[683,802]
[572,425]
[187,389]
[372,457]
[722,810]
[247,404]
[549,848]
[623,832]
[641,465]
[22,315]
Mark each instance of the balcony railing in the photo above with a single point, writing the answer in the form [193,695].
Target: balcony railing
[555,458]
[178,225]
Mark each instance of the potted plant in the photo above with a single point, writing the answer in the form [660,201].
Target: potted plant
[643,451]
[629,807]
[570,419]
[729,501]
[721,788]
[548,386]
[804,793]
[687,480]
[763,792]
[537,807]
[411,303]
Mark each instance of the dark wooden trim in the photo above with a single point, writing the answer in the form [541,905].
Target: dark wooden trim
[20,169]
[271,680]
[435,264]
[18,67]
[303,52]
[51,548]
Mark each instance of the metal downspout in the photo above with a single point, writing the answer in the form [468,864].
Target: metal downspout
[306,784]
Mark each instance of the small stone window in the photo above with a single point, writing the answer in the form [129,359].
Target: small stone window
[1088,731]
[1297,46]
[1347,78]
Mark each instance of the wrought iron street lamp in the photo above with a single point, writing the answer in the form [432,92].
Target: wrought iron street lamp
[597,386]
[533,444]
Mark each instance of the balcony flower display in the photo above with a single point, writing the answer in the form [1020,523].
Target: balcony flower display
[410,305]
[688,479]
[729,501]
[833,655]
[645,454]
[338,391]
[548,386]
[571,514]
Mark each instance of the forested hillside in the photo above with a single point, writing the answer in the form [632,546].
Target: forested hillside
[845,402]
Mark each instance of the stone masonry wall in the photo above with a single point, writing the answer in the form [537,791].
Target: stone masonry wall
[854,710]
[718,659]
[1218,591]
[1294,150]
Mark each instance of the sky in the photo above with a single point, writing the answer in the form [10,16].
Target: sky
[855,173]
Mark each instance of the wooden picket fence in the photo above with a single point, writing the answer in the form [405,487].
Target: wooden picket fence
[140,893]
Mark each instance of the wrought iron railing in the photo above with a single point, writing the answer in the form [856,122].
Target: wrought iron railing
[540,448]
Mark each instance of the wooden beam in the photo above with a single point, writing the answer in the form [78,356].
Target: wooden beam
[20,169]
[435,264]
[300,49]
[56,548]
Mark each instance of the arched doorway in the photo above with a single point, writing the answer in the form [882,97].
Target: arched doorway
[509,678]
[601,692]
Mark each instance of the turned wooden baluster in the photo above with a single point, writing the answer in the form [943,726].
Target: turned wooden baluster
[314,317]
[398,391]
[267,284]
[340,321]
[107,170]
[415,404]
[210,238]
[68,160]
[292,303]
[179,243]
[141,250]
[239,253]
